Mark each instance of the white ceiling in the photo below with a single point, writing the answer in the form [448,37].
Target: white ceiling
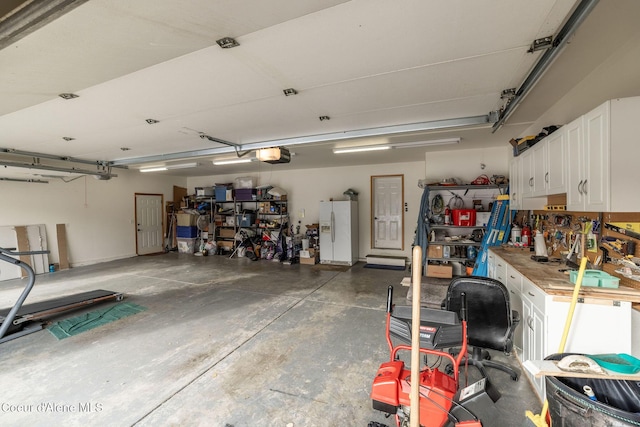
[364,63]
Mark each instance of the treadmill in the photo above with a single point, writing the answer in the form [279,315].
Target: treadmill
[21,320]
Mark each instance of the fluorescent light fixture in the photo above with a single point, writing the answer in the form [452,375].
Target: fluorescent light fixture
[361,148]
[231,162]
[168,167]
[154,169]
[182,166]
[443,141]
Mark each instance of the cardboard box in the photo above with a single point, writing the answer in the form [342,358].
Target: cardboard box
[442,271]
[226,232]
[482,218]
[311,260]
[187,220]
[434,251]
[225,244]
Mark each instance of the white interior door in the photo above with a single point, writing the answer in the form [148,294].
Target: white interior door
[149,236]
[387,205]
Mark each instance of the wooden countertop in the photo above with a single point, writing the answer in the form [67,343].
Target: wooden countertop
[546,276]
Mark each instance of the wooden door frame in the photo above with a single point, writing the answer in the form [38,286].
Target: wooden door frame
[163,215]
[372,207]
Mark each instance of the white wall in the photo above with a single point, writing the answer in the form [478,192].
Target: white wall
[465,165]
[306,188]
[99,215]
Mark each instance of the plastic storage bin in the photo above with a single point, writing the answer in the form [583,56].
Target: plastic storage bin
[188,232]
[186,246]
[204,191]
[245,194]
[244,182]
[245,220]
[221,192]
[595,278]
[464,217]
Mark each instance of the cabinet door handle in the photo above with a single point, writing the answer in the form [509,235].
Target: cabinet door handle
[584,187]
[531,294]
[529,322]
[531,182]
[580,185]
[546,177]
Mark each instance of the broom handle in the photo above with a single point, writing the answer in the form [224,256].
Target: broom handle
[416,281]
[567,324]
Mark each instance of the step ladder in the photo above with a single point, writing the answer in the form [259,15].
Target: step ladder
[497,232]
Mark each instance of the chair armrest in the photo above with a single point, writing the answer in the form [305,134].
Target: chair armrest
[515,321]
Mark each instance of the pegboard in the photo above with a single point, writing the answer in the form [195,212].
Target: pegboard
[562,228]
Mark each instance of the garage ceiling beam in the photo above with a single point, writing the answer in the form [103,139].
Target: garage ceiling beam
[559,42]
[28,16]
[456,123]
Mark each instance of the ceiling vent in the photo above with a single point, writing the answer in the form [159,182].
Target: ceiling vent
[68,95]
[227,42]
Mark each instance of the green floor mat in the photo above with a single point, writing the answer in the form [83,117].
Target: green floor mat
[76,325]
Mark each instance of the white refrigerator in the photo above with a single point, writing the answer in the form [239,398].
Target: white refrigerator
[339,232]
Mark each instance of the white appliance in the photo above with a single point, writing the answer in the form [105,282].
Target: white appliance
[339,232]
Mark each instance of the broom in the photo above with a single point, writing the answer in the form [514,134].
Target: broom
[540,420]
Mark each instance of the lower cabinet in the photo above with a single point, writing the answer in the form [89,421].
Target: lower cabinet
[514,286]
[534,328]
[597,326]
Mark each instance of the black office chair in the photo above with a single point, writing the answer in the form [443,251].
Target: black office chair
[490,320]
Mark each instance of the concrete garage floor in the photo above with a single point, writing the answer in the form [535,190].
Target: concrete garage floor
[223,342]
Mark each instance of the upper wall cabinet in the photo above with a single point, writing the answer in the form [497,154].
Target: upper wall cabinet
[592,159]
[538,172]
[515,183]
[588,170]
[543,166]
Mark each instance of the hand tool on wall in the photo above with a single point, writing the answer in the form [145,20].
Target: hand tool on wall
[622,230]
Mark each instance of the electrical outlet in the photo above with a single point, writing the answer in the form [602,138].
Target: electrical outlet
[301,213]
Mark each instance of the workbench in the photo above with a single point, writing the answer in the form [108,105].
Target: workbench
[602,321]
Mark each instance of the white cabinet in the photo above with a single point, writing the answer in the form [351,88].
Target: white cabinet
[534,329]
[539,167]
[515,183]
[592,159]
[598,325]
[588,170]
[514,286]
[574,165]
[548,171]
[556,156]
[526,172]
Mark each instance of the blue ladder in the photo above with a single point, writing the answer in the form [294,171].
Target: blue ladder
[497,232]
